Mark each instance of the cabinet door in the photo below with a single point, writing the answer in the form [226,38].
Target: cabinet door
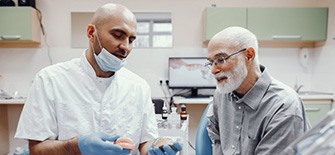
[4,133]
[18,23]
[316,111]
[219,18]
[306,24]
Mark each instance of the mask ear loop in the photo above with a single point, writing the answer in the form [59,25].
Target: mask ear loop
[96,34]
[91,45]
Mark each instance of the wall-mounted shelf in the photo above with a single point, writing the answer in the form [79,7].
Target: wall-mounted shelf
[19,27]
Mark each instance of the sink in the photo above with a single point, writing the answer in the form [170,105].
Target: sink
[313,93]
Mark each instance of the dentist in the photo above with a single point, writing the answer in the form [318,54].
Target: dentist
[92,105]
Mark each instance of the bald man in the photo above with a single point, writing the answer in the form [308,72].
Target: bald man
[92,105]
[252,112]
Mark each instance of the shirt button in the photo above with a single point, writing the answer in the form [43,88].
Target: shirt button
[239,107]
[237,127]
[233,147]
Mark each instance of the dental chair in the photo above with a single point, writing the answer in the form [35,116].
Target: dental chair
[203,145]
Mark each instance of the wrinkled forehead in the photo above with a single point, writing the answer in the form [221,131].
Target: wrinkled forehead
[221,47]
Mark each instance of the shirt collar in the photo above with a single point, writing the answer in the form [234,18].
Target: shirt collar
[234,97]
[254,96]
[89,69]
[87,66]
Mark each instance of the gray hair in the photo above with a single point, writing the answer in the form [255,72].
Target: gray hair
[237,37]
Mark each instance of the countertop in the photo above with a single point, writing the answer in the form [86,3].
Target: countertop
[314,95]
[12,101]
[317,97]
[305,95]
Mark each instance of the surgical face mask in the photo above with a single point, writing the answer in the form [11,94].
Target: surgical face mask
[107,61]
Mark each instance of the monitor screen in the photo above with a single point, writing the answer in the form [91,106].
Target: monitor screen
[190,73]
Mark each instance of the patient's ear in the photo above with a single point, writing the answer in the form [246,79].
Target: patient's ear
[250,54]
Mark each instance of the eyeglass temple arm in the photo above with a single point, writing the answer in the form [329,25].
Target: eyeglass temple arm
[235,53]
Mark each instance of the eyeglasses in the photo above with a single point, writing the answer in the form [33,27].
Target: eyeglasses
[222,59]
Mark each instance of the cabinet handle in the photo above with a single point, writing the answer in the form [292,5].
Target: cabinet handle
[11,37]
[313,109]
[278,37]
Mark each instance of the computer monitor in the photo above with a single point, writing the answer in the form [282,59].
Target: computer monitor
[190,73]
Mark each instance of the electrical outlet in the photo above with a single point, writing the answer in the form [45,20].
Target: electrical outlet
[163,81]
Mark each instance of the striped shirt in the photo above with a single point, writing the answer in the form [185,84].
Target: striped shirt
[264,121]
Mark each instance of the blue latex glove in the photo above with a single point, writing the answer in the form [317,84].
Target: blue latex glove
[166,149]
[100,143]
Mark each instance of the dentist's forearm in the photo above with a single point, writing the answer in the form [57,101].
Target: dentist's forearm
[54,147]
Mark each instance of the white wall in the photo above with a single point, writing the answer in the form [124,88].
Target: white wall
[324,57]
[18,66]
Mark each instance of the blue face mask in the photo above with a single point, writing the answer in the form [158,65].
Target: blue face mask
[107,61]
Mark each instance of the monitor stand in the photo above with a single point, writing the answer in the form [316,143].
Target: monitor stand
[194,94]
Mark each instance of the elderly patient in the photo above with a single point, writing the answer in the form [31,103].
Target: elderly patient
[252,113]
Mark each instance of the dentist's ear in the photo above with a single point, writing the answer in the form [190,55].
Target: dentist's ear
[90,31]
